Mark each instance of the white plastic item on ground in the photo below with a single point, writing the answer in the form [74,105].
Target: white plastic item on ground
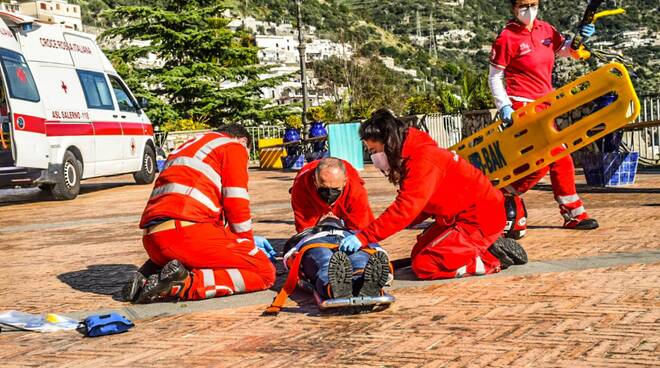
[39,323]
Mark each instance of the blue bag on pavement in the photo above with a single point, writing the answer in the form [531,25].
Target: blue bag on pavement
[106,324]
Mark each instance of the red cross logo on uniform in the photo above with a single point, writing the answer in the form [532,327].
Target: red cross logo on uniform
[64,87]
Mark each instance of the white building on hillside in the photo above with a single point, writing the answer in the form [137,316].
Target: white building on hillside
[277,49]
[51,11]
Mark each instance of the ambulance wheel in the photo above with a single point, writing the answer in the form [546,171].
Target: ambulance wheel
[68,180]
[147,173]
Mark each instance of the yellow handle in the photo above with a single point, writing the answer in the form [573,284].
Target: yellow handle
[607,13]
[581,53]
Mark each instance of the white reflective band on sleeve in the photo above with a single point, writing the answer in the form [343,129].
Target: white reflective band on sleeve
[479,268]
[577,212]
[567,199]
[254,251]
[185,190]
[461,271]
[235,192]
[236,279]
[520,99]
[209,282]
[198,165]
[242,227]
[210,146]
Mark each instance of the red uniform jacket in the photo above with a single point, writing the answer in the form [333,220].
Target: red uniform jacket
[437,183]
[527,58]
[352,206]
[205,180]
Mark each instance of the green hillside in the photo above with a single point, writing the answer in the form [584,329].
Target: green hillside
[379,28]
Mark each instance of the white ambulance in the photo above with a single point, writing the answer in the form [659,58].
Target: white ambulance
[66,113]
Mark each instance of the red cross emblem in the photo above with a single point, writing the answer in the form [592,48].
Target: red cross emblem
[64,87]
[133,146]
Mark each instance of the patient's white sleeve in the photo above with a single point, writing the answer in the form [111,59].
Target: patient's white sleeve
[496,84]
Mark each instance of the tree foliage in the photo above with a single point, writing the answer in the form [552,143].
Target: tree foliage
[203,69]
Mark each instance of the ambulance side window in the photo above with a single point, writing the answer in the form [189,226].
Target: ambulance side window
[124,100]
[19,78]
[95,87]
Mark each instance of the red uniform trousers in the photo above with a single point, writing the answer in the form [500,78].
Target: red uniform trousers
[222,263]
[460,249]
[562,177]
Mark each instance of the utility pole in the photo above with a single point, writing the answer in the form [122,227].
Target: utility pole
[303,75]
[433,49]
[419,28]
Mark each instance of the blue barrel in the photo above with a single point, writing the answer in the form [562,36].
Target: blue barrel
[318,130]
[294,159]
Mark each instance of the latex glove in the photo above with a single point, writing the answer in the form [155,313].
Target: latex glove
[350,244]
[587,30]
[505,114]
[263,244]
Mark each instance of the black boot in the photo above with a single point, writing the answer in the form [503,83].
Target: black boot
[173,281]
[509,252]
[340,275]
[134,285]
[376,273]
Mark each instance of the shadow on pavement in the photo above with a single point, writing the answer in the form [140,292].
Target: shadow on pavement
[104,279]
[10,197]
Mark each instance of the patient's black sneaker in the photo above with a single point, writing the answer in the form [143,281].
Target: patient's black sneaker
[509,252]
[173,281]
[340,275]
[376,273]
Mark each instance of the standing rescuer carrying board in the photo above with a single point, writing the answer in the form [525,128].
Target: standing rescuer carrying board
[523,56]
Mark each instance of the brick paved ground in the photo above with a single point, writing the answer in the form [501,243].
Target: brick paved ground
[74,256]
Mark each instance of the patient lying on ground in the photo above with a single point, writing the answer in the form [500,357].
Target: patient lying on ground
[333,274]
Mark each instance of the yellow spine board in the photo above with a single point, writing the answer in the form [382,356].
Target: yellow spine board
[506,155]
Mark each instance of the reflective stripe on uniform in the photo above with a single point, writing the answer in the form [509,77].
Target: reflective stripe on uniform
[198,165]
[235,192]
[461,271]
[479,268]
[236,279]
[209,282]
[567,199]
[254,251]
[206,149]
[185,190]
[241,227]
[577,212]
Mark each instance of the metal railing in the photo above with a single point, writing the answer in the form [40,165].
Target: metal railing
[261,132]
[645,140]
[445,129]
[448,130]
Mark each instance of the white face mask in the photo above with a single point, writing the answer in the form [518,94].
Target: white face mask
[380,161]
[527,15]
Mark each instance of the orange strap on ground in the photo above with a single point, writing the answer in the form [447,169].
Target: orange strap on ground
[292,280]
